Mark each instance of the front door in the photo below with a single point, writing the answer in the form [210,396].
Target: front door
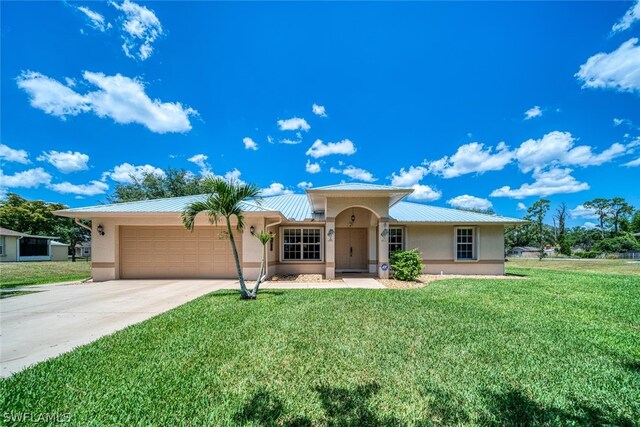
[351,249]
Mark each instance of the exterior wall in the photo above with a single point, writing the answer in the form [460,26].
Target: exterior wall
[436,245]
[10,249]
[335,205]
[252,249]
[59,253]
[105,260]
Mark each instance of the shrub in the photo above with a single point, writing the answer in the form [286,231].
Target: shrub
[587,254]
[406,265]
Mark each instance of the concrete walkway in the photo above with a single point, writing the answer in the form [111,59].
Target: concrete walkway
[344,283]
[38,326]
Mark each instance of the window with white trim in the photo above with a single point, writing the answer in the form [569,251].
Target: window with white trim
[2,245]
[465,243]
[301,244]
[396,239]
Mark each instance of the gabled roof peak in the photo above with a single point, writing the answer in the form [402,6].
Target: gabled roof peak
[358,186]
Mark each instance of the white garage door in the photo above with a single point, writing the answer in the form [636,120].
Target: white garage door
[176,253]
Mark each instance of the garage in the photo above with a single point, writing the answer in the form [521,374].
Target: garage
[176,253]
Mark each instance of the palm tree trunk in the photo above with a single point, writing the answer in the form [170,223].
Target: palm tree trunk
[244,294]
[261,276]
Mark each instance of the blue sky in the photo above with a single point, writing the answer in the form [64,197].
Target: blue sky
[472,104]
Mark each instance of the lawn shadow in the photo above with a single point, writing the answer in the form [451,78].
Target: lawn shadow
[342,407]
[514,408]
[633,366]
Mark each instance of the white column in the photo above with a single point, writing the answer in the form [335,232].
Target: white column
[330,249]
[383,248]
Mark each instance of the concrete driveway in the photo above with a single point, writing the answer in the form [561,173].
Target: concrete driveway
[38,326]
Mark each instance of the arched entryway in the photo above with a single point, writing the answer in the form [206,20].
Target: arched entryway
[355,243]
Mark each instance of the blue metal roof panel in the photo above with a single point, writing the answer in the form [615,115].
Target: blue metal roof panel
[358,186]
[417,212]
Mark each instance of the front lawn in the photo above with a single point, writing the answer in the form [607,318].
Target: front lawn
[557,348]
[38,273]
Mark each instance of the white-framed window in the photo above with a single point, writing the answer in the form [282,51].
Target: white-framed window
[301,244]
[465,246]
[396,239]
[2,245]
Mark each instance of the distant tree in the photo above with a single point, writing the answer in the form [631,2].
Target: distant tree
[602,208]
[536,214]
[635,222]
[619,211]
[173,183]
[223,201]
[561,238]
[487,211]
[622,243]
[36,217]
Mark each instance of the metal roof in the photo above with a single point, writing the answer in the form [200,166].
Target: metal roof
[296,207]
[357,186]
[7,232]
[417,212]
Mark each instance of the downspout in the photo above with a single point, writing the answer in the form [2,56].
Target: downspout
[266,228]
[77,221]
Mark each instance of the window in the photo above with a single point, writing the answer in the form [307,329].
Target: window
[301,244]
[396,240]
[465,244]
[31,246]
[2,245]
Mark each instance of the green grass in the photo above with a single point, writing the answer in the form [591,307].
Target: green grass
[608,266]
[39,273]
[558,348]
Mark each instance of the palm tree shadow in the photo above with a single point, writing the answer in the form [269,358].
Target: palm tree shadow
[342,407]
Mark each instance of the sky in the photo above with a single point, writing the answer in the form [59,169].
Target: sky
[474,105]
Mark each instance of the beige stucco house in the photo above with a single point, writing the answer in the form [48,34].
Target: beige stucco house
[328,230]
[16,246]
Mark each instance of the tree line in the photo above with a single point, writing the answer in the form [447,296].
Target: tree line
[618,221]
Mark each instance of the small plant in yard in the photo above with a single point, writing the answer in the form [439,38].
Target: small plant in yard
[406,265]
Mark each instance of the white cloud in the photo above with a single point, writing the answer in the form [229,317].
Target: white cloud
[335,170]
[628,19]
[31,178]
[319,110]
[249,144]
[12,155]
[200,160]
[97,20]
[234,175]
[140,29]
[472,158]
[557,148]
[469,202]
[269,139]
[618,70]
[590,225]
[320,149]
[408,178]
[581,212]
[618,122]
[554,181]
[126,173]
[275,189]
[305,185]
[359,174]
[521,207]
[91,189]
[532,112]
[121,98]
[424,193]
[51,96]
[294,123]
[67,161]
[312,167]
[290,141]
[632,163]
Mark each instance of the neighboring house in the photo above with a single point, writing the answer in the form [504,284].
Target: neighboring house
[82,250]
[524,252]
[16,246]
[338,228]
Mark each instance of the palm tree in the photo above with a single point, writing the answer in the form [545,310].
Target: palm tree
[224,201]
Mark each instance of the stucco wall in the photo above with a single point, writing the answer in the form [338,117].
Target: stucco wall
[436,245]
[10,250]
[335,205]
[59,253]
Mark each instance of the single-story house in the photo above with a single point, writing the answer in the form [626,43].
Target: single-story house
[524,252]
[338,228]
[16,246]
[82,250]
